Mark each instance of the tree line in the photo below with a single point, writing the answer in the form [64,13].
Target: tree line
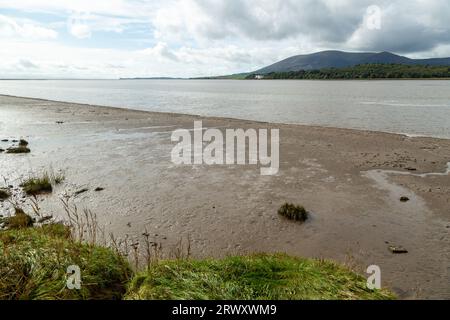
[364,71]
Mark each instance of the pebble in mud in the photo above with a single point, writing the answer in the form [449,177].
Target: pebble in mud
[404,199]
[397,249]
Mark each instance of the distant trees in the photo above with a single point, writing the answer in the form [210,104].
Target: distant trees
[365,71]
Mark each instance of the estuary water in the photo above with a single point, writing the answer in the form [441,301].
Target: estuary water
[413,107]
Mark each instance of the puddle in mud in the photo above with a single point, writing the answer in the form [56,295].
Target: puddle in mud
[381,178]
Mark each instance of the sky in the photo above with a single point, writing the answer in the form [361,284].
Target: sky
[188,38]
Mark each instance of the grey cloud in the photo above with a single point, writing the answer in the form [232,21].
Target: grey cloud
[407,26]
[277,19]
[26,64]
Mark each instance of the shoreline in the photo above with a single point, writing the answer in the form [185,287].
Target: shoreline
[198,116]
[228,210]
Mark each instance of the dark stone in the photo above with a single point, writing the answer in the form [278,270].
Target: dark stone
[99,189]
[81,191]
[404,199]
[397,249]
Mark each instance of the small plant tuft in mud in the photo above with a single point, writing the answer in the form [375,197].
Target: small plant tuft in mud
[57,178]
[293,212]
[19,149]
[4,194]
[37,185]
[19,221]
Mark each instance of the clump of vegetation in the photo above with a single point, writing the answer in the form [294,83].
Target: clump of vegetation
[37,185]
[293,212]
[57,178]
[34,262]
[4,194]
[18,221]
[19,149]
[252,277]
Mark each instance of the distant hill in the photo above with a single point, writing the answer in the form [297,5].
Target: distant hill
[236,76]
[339,59]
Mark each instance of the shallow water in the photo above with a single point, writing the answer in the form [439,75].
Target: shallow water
[416,107]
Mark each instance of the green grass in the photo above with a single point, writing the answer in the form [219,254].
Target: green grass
[33,264]
[293,212]
[37,185]
[34,261]
[251,277]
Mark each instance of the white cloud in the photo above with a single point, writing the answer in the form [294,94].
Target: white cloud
[10,28]
[81,31]
[160,51]
[206,37]
[128,8]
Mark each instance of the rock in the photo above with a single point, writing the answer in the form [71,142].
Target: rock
[99,189]
[397,249]
[5,140]
[404,199]
[81,191]
[2,150]
[410,169]
[59,122]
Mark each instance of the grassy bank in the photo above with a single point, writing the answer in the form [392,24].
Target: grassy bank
[267,277]
[34,261]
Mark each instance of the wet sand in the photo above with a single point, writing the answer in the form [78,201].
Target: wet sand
[349,180]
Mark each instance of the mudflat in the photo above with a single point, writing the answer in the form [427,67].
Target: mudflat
[350,181]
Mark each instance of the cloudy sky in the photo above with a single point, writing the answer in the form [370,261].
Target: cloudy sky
[132,38]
